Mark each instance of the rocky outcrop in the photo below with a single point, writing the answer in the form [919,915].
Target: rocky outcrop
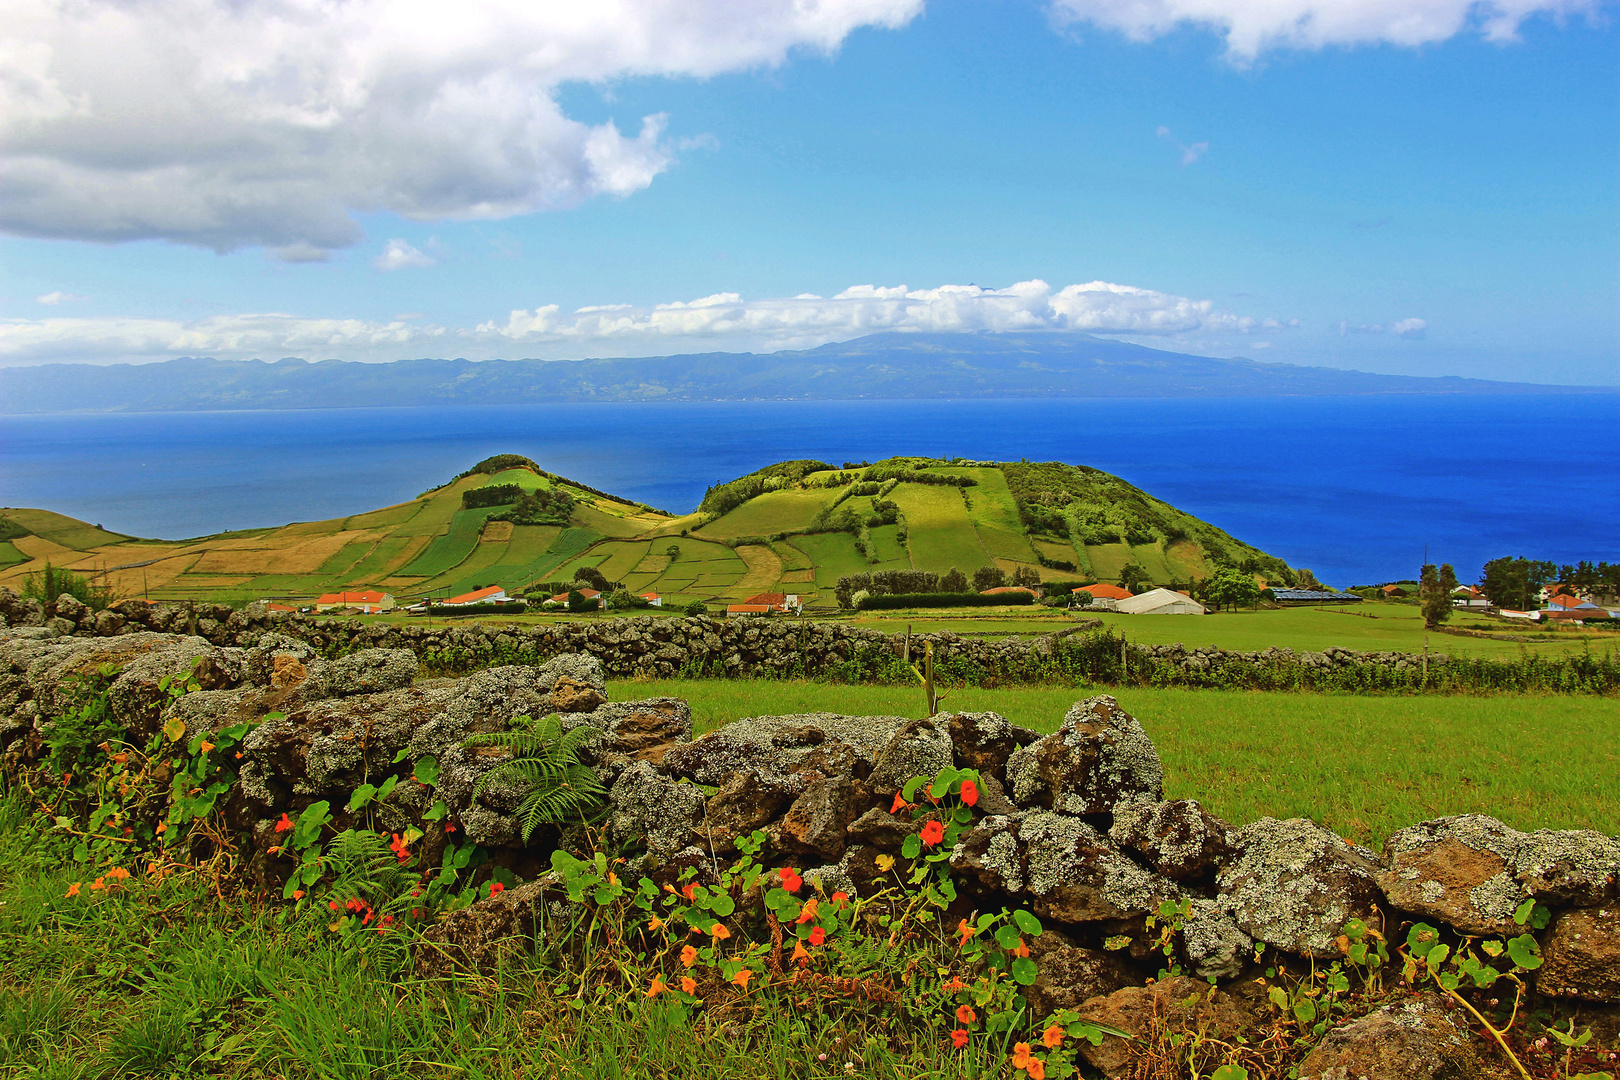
[1581,956]
[1413,1040]
[1294,884]
[1179,839]
[1098,758]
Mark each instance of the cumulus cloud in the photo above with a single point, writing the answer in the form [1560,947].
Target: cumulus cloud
[1406,328]
[723,320]
[1251,27]
[399,255]
[224,124]
[51,299]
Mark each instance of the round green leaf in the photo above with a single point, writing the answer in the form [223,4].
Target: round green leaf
[1024,970]
[1027,922]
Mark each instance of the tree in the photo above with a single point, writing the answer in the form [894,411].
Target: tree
[988,577]
[1231,588]
[1304,579]
[1081,598]
[953,581]
[1133,576]
[1434,591]
[1027,576]
[1515,582]
[577,601]
[593,577]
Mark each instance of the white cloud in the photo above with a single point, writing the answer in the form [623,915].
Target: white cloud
[1406,328]
[1251,27]
[224,124]
[723,320]
[399,255]
[51,299]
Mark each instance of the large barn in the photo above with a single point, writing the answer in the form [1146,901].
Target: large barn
[1161,602]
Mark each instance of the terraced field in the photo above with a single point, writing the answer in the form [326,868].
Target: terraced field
[433,544]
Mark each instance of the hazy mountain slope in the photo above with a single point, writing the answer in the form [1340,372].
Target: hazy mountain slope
[885,366]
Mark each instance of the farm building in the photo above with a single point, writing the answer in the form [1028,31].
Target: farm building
[489,594]
[1314,596]
[1104,591]
[1160,602]
[591,597]
[734,610]
[652,598]
[772,601]
[368,603]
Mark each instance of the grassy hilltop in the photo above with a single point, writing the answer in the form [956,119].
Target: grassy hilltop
[794,527]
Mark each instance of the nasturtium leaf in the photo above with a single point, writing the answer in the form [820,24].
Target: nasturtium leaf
[1422,938]
[1024,970]
[1007,936]
[1521,914]
[942,783]
[1027,922]
[426,770]
[1524,952]
[387,788]
[362,795]
[174,728]
[1305,1010]
[1438,954]
[722,905]
[912,846]
[402,755]
[909,791]
[1230,1072]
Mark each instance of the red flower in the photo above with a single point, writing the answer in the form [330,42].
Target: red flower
[840,900]
[689,890]
[496,888]
[401,849]
[332,904]
[807,913]
[817,936]
[932,833]
[791,879]
[970,793]
[899,803]
[284,824]
[450,827]
[959,1038]
[965,1015]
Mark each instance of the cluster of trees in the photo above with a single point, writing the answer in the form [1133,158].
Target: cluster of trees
[917,582]
[724,498]
[491,495]
[548,506]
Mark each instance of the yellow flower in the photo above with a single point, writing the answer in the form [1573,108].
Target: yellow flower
[884,863]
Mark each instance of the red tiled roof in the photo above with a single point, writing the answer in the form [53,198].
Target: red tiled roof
[588,594]
[774,599]
[749,609]
[351,598]
[1104,591]
[1567,601]
[476,595]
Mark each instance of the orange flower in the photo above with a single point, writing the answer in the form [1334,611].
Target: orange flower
[163,827]
[1021,1058]
[799,951]
[899,803]
[98,884]
[742,977]
[965,1015]
[1036,1069]
[966,931]
[1022,950]
[817,936]
[73,889]
[688,956]
[689,890]
[207,746]
[932,833]
[284,824]
[791,879]
[298,894]
[955,984]
[1052,1037]
[970,793]
[118,873]
[959,1038]
[719,933]
[808,912]
[657,987]
[688,984]
[655,923]
[840,900]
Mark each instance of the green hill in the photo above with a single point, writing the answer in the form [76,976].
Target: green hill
[795,527]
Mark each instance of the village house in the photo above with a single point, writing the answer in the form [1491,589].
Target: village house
[1103,591]
[767,604]
[489,594]
[652,599]
[367,603]
[592,597]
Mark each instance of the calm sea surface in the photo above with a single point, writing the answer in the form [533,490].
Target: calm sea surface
[1351,487]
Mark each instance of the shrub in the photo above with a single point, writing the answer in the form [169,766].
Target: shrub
[51,582]
[988,577]
[697,607]
[548,506]
[493,495]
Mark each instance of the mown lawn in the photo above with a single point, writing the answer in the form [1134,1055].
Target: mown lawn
[1363,766]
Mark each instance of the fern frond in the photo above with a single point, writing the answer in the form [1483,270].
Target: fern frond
[544,762]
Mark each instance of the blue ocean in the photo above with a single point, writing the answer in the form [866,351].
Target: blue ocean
[1354,488]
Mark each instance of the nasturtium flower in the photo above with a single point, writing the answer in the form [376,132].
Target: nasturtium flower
[688,956]
[965,930]
[791,881]
[719,933]
[98,884]
[808,912]
[840,900]
[932,833]
[689,890]
[970,793]
[1021,1058]
[688,984]
[118,873]
[206,746]
[73,889]
[799,951]
[1023,948]
[655,923]
[657,987]
[1052,1037]
[817,936]
[1036,1069]
[496,888]
[285,824]
[742,977]
[959,1038]
[965,1015]
[955,984]
[884,863]
[899,803]
[298,894]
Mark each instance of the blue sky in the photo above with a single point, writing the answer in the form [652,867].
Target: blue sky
[1335,187]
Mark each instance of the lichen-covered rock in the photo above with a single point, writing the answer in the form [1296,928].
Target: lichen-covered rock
[651,808]
[635,729]
[1067,869]
[1410,1040]
[1070,976]
[819,819]
[1181,1003]
[366,671]
[882,829]
[779,746]
[278,661]
[72,609]
[1098,758]
[1472,871]
[1581,955]
[1294,884]
[1179,839]
[983,740]
[484,936]
[919,748]
[745,802]
[569,695]
[1216,946]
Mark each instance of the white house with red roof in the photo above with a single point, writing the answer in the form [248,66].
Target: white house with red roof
[367,603]
[592,596]
[489,594]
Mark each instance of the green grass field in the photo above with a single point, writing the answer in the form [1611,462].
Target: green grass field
[453,548]
[834,556]
[1363,766]
[772,512]
[942,534]
[9,555]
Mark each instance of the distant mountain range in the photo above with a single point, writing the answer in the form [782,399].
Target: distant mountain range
[881,366]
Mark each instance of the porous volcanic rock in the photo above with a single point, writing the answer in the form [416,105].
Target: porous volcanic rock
[983,740]
[1069,975]
[1180,1003]
[1410,1040]
[1473,871]
[1068,870]
[781,746]
[745,802]
[1179,839]
[1099,757]
[919,748]
[482,937]
[818,821]
[365,671]
[1216,946]
[650,807]
[1581,955]
[71,608]
[1294,884]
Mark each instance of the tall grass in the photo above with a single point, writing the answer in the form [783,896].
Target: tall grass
[50,583]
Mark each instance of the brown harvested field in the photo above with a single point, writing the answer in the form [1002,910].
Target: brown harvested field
[37,547]
[304,556]
[497,532]
[764,568]
[799,577]
[188,583]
